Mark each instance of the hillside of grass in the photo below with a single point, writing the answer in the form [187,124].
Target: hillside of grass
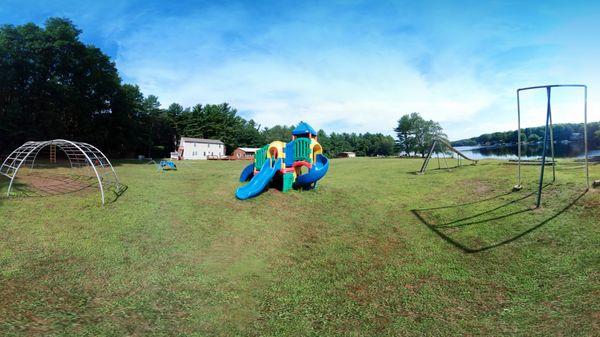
[376,250]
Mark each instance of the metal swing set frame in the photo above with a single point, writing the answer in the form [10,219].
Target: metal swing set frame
[442,143]
[549,136]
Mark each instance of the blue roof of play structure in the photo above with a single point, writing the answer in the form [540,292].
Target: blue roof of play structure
[302,129]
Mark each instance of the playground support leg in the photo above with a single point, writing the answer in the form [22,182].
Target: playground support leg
[546,132]
[426,161]
[552,148]
[587,168]
[549,123]
[518,186]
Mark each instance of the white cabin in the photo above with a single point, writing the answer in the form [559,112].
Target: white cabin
[198,148]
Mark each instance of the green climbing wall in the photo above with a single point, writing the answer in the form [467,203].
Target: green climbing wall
[302,149]
[288,181]
[260,157]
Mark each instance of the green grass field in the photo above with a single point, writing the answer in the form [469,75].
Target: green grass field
[377,250]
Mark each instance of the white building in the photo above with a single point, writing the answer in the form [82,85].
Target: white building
[198,148]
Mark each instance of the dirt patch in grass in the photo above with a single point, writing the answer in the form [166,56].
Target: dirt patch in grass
[40,184]
[592,200]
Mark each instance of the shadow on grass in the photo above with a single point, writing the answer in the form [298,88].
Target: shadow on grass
[467,203]
[438,228]
[36,185]
[439,170]
[118,192]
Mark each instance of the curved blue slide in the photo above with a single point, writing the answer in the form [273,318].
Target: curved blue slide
[318,170]
[259,181]
[247,173]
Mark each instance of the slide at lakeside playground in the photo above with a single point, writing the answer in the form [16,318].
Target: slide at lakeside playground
[442,143]
[318,171]
[259,182]
[285,161]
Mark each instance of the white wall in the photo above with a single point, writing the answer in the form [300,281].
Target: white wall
[194,150]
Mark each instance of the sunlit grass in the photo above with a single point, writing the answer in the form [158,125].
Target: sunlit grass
[376,250]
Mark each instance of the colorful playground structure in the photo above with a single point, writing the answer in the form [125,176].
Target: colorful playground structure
[282,164]
[166,165]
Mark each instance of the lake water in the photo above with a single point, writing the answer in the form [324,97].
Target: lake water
[532,151]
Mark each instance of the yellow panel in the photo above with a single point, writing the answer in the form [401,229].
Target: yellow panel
[319,149]
[279,147]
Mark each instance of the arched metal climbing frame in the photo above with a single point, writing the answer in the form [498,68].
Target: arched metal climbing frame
[82,156]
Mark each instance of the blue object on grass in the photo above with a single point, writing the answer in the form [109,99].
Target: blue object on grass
[247,173]
[167,165]
[260,181]
[318,171]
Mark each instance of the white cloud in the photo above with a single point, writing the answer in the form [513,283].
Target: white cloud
[359,80]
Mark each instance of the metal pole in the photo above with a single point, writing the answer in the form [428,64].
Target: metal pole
[546,131]
[585,139]
[23,160]
[552,140]
[549,130]
[519,139]
[426,161]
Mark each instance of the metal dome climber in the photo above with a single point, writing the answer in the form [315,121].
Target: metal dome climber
[82,156]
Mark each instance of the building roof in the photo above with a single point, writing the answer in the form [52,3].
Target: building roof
[303,128]
[249,149]
[200,140]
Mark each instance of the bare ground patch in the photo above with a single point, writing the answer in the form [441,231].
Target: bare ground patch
[45,184]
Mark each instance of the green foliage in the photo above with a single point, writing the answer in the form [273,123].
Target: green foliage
[367,144]
[533,138]
[217,122]
[54,86]
[415,134]
[278,132]
[562,132]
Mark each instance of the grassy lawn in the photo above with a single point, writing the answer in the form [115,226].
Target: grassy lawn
[377,250]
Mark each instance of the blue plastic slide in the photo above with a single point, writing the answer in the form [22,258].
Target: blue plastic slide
[318,170]
[247,173]
[259,181]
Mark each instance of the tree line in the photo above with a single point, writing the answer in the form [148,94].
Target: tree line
[52,85]
[561,132]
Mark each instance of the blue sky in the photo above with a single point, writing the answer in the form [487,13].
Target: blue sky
[348,65]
